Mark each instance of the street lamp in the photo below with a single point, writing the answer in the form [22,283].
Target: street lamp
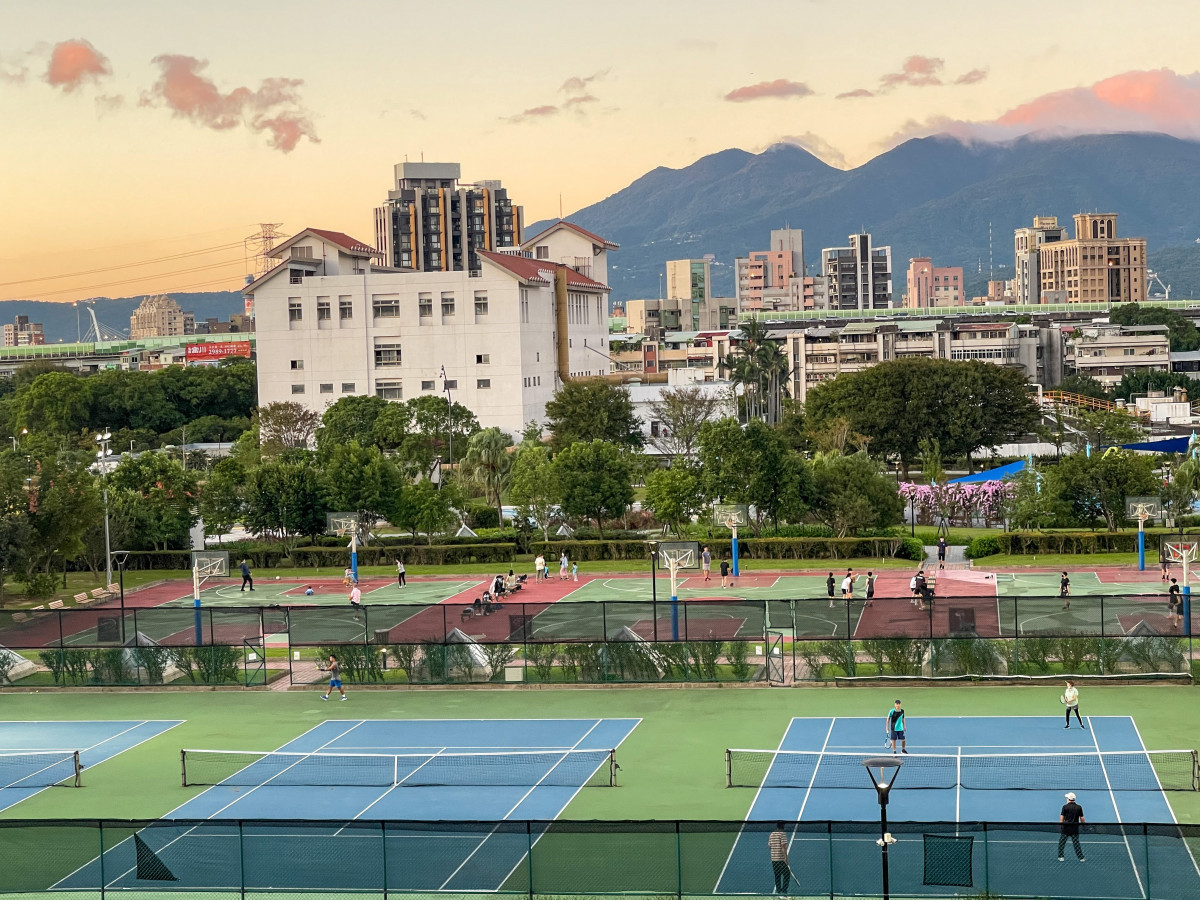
[653,545]
[24,431]
[889,768]
[102,456]
[121,557]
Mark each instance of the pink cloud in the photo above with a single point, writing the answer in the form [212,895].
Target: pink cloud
[576,101]
[818,147]
[917,71]
[779,88]
[973,77]
[74,63]
[857,92]
[274,107]
[1159,101]
[536,112]
[578,84]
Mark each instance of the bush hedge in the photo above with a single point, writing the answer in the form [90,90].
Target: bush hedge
[750,548]
[981,547]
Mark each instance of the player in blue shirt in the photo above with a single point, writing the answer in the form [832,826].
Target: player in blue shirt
[895,728]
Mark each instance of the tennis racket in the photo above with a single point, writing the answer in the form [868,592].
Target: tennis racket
[1063,699]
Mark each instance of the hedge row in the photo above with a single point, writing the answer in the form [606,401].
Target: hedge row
[1037,542]
[750,548]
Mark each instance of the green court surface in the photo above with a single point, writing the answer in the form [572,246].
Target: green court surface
[1083,583]
[692,586]
[672,764]
[267,592]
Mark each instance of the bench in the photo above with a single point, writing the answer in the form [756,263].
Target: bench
[82,599]
[56,604]
[114,590]
[19,618]
[100,594]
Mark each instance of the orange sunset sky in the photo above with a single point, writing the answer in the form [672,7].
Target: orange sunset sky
[142,141]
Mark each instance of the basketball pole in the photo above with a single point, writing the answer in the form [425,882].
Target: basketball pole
[1141,538]
[734,528]
[198,616]
[674,565]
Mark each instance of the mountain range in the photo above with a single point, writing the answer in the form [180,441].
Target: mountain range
[932,196]
[63,322]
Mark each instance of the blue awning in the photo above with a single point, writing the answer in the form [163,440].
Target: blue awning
[991,474]
[1170,445]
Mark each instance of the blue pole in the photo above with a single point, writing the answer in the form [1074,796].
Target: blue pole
[1141,549]
[735,553]
[354,553]
[674,613]
[1187,610]
[199,623]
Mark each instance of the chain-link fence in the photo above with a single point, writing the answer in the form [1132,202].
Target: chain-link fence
[91,860]
[605,641]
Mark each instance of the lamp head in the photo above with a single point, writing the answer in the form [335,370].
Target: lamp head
[889,768]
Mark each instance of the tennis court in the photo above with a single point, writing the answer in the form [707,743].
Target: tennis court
[32,754]
[516,769]
[973,782]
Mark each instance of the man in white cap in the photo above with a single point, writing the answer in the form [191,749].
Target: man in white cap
[1069,821]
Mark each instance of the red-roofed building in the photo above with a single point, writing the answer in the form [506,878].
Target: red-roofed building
[330,324]
[565,242]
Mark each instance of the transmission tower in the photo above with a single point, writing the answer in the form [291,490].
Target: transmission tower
[258,245]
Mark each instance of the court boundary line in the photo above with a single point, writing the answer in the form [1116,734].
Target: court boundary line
[750,809]
[812,781]
[163,819]
[358,815]
[1170,809]
[496,827]
[1116,807]
[636,722]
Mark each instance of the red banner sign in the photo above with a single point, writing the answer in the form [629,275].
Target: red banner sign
[217,350]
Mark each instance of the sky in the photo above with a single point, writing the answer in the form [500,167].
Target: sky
[142,141]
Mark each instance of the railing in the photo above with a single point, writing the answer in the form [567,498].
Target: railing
[49,859]
[607,641]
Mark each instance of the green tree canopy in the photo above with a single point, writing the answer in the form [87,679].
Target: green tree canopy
[852,493]
[592,410]
[1133,383]
[595,480]
[1182,335]
[535,489]
[162,495]
[487,464]
[1095,487]
[673,495]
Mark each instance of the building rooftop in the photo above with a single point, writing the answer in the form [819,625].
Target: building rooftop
[591,236]
[539,271]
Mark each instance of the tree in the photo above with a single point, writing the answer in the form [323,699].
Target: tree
[222,502]
[853,493]
[1133,383]
[673,495]
[680,412]
[15,525]
[595,480]
[1182,334]
[56,403]
[349,419]
[487,464]
[585,411]
[1105,427]
[364,481]
[965,405]
[1095,487]
[287,499]
[436,425]
[534,488]
[163,496]
[760,368]
[726,462]
[1084,386]
[285,425]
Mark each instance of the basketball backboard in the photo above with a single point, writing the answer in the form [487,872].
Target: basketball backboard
[684,554]
[730,515]
[211,563]
[1150,507]
[341,522]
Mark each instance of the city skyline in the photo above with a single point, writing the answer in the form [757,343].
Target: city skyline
[170,140]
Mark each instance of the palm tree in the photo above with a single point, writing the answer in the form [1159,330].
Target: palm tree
[773,364]
[488,464]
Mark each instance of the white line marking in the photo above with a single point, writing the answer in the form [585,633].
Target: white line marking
[1116,809]
[1174,819]
[812,781]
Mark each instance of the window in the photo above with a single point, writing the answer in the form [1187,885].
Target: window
[447,303]
[1129,351]
[425,305]
[324,313]
[543,252]
[327,388]
[302,253]
[295,310]
[525,305]
[385,306]
[297,364]
[347,387]
[427,386]
[452,385]
[387,354]
[345,308]
[389,390]
[297,389]
[483,384]
[481,303]
[483,359]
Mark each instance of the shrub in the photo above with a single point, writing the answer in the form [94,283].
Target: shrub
[982,546]
[498,656]
[153,660]
[405,657]
[736,653]
[40,586]
[704,657]
[541,657]
[482,515]
[814,659]
[842,655]
[910,548]
[109,666]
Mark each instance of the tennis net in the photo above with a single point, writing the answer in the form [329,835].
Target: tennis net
[527,768]
[1126,770]
[40,768]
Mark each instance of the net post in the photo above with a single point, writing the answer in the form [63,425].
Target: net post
[395,770]
[78,769]
[612,768]
[183,767]
[728,768]
[1195,771]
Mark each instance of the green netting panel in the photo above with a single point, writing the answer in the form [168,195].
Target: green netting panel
[948,860]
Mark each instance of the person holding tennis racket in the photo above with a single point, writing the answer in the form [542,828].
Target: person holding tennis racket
[778,844]
[895,728]
[335,677]
[1070,697]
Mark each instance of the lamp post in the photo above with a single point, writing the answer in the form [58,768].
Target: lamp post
[449,422]
[653,585]
[102,456]
[16,442]
[121,557]
[889,768]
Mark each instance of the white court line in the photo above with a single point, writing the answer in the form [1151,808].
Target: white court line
[812,781]
[958,787]
[432,757]
[514,808]
[636,723]
[212,816]
[1116,808]
[1174,819]
[742,827]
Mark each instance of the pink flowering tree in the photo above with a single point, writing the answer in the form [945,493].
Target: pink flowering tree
[958,503]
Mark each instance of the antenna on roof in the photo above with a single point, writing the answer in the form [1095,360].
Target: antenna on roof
[560,215]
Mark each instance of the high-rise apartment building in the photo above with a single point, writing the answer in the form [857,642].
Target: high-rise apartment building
[765,277]
[929,285]
[1095,266]
[1027,242]
[160,316]
[23,333]
[860,276]
[432,223]
[689,281]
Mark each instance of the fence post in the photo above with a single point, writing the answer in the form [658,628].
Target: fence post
[604,620]
[678,863]
[383,856]
[986,866]
[829,842]
[1146,855]
[529,857]
[100,832]
[242,858]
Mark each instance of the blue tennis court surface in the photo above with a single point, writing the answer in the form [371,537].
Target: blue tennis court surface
[96,742]
[345,848]
[1023,857]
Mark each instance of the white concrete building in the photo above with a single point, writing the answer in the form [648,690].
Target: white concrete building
[331,324]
